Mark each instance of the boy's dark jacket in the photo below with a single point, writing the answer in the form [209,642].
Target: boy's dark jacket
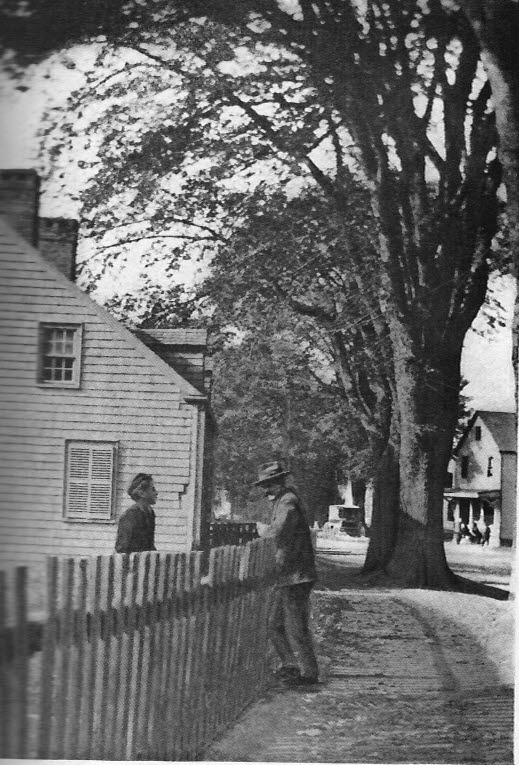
[136,531]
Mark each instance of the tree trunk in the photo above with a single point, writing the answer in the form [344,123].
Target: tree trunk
[427,382]
[496,25]
[386,504]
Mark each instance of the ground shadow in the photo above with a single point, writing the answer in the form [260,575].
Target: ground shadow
[343,571]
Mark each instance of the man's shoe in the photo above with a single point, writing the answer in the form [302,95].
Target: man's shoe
[305,683]
[286,673]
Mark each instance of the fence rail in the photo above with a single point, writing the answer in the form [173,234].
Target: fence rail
[231,533]
[138,657]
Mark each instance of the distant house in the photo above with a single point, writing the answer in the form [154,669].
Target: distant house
[482,475]
[86,404]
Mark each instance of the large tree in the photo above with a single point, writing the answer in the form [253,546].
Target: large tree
[396,95]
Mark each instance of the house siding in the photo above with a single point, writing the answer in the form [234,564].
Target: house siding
[498,491]
[122,398]
[478,453]
[508,496]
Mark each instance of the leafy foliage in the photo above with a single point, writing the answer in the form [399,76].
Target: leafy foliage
[269,404]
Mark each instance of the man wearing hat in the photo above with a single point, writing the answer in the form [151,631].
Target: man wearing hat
[290,630]
[136,529]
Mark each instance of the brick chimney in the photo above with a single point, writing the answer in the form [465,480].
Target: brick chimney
[57,243]
[19,196]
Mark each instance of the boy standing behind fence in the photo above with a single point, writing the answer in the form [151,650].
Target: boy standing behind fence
[296,576]
[136,529]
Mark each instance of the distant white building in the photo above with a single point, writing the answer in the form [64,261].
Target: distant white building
[481,482]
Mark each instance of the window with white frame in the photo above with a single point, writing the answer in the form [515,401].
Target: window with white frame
[60,355]
[89,480]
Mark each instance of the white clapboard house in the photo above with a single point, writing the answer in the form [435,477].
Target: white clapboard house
[86,403]
[483,474]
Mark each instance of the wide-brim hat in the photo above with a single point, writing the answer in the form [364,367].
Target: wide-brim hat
[270,472]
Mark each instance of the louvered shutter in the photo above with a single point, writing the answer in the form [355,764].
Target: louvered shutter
[90,477]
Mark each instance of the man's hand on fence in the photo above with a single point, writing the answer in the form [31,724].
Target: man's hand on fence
[262,528]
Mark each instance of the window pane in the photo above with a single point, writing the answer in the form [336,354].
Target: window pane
[58,350]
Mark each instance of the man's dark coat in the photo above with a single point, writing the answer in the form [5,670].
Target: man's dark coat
[294,550]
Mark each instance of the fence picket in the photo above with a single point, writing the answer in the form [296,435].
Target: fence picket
[78,675]
[92,663]
[114,712]
[21,663]
[180,712]
[194,640]
[65,633]
[124,743]
[141,636]
[48,658]
[232,675]
[173,687]
[215,560]
[227,632]
[5,694]
[159,719]
[151,655]
[107,615]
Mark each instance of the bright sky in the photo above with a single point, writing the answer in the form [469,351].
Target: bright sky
[486,359]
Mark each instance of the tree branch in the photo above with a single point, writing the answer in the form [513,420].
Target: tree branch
[155,236]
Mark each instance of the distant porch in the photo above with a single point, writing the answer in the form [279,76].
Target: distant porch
[480,507]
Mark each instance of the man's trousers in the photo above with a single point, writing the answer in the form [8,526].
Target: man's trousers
[290,629]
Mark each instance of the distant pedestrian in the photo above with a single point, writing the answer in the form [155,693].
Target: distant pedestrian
[465,532]
[477,536]
[486,534]
[290,629]
[136,529]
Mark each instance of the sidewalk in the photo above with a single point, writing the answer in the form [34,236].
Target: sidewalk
[410,676]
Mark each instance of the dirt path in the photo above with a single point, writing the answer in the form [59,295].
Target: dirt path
[405,681]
